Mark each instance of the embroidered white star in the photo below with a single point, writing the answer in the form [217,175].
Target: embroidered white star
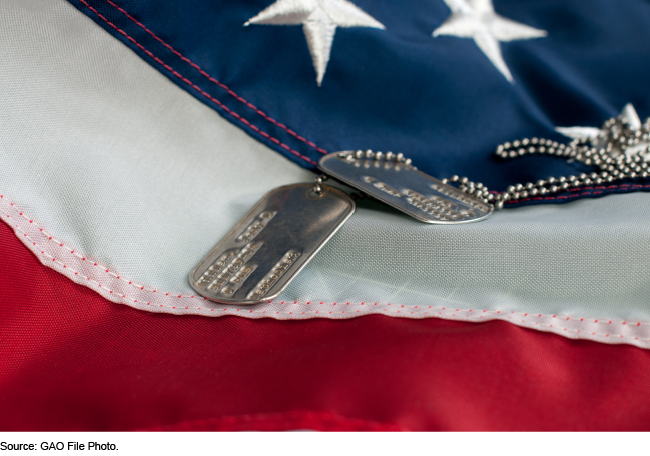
[319,19]
[629,114]
[476,19]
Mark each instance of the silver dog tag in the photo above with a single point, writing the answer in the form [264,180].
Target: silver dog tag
[258,259]
[395,181]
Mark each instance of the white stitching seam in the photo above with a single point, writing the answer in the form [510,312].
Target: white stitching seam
[475,315]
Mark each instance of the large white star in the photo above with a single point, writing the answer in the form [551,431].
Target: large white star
[476,19]
[319,19]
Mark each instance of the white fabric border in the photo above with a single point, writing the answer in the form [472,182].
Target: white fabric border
[55,254]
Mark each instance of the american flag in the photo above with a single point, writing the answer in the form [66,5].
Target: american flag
[135,134]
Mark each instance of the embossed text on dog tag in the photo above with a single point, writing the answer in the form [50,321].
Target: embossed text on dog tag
[271,245]
[393,180]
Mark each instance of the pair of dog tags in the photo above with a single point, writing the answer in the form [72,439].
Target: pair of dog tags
[258,259]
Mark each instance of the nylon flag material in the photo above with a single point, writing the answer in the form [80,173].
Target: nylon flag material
[135,135]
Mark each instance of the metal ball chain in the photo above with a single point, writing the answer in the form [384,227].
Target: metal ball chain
[318,189]
[379,156]
[607,151]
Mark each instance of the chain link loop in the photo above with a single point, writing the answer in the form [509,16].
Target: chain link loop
[609,151]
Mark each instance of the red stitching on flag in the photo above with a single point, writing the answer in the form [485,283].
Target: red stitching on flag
[195,87]
[220,84]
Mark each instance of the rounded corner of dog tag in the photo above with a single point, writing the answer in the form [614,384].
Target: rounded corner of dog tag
[392,179]
[262,254]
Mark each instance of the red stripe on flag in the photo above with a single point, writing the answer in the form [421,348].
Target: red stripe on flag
[71,360]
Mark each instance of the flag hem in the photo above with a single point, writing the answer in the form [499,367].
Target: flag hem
[56,254]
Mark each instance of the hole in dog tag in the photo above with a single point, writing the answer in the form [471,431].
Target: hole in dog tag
[393,180]
[258,259]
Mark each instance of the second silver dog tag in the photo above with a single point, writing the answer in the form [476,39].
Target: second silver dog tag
[256,261]
[393,180]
